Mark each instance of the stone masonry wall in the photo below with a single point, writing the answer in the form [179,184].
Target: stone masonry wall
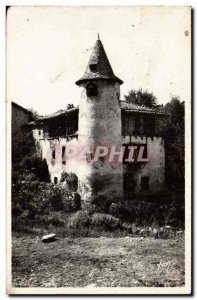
[154,169]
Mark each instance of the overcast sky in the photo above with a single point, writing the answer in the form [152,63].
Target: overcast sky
[48,50]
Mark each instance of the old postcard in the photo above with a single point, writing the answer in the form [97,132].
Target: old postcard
[98,112]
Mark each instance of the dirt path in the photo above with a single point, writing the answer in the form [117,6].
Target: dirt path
[109,262]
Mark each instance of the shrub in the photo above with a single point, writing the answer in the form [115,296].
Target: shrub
[54,219]
[71,180]
[56,201]
[105,221]
[71,202]
[79,219]
[117,210]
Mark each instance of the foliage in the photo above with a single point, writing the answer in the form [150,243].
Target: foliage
[33,201]
[56,201]
[174,133]
[105,221]
[25,160]
[79,219]
[23,147]
[162,209]
[70,179]
[141,97]
[35,114]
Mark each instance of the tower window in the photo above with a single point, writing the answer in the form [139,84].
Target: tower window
[89,157]
[53,154]
[63,155]
[55,180]
[91,90]
[93,67]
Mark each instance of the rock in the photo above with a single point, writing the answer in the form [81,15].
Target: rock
[167,226]
[48,238]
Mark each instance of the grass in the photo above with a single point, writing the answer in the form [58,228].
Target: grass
[102,261]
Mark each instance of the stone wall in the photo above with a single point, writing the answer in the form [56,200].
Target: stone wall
[153,169]
[51,150]
[20,117]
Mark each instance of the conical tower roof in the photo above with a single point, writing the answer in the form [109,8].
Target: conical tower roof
[98,66]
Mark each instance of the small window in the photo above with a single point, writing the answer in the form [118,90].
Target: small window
[91,90]
[53,154]
[89,157]
[63,155]
[93,67]
[40,132]
[145,183]
[55,180]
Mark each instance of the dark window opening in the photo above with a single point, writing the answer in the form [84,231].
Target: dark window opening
[137,124]
[91,90]
[63,155]
[63,125]
[89,157]
[39,132]
[145,183]
[55,180]
[93,67]
[149,126]
[53,154]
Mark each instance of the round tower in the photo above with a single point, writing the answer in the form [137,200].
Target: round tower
[100,181]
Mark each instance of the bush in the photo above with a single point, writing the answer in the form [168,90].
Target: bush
[79,219]
[105,221]
[56,201]
[71,181]
[71,202]
[54,219]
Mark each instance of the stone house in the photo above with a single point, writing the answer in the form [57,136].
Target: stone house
[103,120]
[20,117]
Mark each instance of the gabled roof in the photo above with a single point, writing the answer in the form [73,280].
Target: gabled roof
[131,107]
[98,66]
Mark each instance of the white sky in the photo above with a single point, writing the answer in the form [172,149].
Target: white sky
[48,50]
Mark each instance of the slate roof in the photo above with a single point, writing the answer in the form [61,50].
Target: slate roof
[101,66]
[130,107]
[125,107]
[56,114]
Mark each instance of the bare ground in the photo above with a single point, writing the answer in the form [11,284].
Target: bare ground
[104,261]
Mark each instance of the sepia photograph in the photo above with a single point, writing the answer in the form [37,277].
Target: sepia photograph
[98,102]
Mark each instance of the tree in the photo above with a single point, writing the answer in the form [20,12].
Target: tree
[141,97]
[174,133]
[35,114]
[25,159]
